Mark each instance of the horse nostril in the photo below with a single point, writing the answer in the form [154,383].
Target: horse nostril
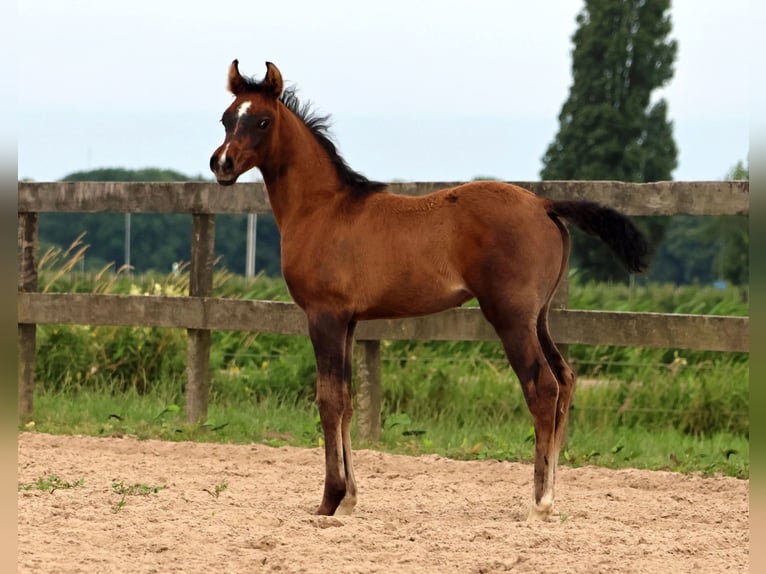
[225,166]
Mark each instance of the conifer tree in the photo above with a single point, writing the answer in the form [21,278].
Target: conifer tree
[610,128]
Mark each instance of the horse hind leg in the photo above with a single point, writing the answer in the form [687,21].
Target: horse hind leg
[562,371]
[517,329]
[564,375]
[565,381]
[541,393]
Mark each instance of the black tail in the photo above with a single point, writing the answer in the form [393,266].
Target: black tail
[616,230]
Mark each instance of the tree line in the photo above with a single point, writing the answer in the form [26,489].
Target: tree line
[156,240]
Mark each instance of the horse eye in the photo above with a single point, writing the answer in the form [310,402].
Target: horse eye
[263,124]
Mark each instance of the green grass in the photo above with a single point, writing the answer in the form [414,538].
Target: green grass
[158,415]
[685,421]
[217,489]
[51,484]
[137,489]
[277,423]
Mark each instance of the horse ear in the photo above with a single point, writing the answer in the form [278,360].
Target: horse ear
[236,81]
[273,80]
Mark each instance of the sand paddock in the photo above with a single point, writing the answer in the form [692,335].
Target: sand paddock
[415,514]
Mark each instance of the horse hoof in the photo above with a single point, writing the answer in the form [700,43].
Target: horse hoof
[539,512]
[346,507]
[323,510]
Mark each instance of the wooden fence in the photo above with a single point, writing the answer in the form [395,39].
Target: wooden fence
[200,313]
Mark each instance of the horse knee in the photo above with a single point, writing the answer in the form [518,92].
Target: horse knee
[330,396]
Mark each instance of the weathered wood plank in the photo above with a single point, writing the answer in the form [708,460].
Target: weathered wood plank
[198,376]
[142,197]
[171,312]
[656,330]
[700,332]
[369,395]
[198,343]
[661,198]
[202,258]
[27,333]
[27,233]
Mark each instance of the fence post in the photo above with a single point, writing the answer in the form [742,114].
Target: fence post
[198,344]
[368,390]
[27,342]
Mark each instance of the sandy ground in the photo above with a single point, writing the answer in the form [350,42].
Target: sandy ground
[415,514]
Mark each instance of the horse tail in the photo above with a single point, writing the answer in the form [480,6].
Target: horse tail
[615,229]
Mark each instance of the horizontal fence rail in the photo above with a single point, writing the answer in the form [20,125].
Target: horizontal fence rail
[658,330]
[200,314]
[662,198]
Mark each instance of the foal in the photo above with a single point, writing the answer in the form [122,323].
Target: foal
[352,251]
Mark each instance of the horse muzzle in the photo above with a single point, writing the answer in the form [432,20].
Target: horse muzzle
[223,168]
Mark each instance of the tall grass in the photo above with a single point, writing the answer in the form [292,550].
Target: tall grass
[656,408]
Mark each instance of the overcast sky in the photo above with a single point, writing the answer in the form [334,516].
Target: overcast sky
[419,90]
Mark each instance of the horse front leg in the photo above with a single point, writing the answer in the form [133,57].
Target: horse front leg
[328,336]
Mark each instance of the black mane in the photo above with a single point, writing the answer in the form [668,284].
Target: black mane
[319,125]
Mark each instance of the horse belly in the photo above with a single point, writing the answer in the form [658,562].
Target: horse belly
[408,296]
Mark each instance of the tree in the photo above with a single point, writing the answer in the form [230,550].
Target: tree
[705,249]
[157,240]
[609,129]
[734,232]
[731,235]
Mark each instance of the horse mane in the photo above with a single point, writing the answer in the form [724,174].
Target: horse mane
[319,126]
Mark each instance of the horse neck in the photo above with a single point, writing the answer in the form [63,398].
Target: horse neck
[300,177]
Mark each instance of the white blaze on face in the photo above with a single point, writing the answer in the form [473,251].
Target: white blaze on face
[222,159]
[242,109]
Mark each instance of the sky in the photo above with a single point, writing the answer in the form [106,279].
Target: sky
[433,90]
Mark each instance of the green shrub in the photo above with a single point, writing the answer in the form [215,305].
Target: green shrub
[466,382]
[71,357]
